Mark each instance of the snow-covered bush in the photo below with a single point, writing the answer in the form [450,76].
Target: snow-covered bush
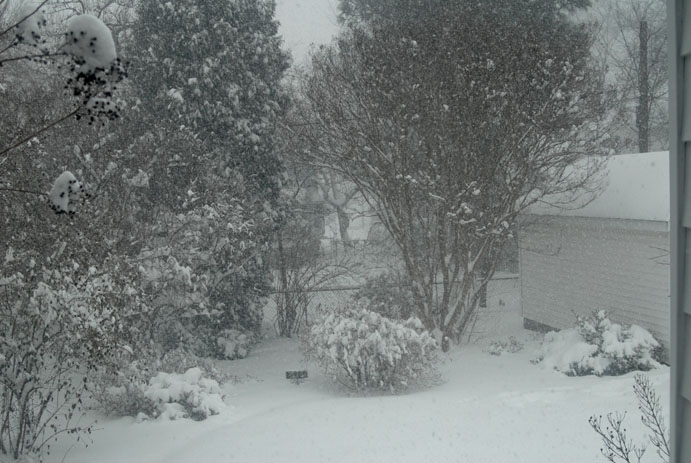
[512,345]
[122,391]
[54,327]
[234,344]
[206,282]
[363,350]
[136,391]
[181,360]
[601,347]
[187,395]
[119,391]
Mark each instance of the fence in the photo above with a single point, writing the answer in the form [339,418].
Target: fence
[385,252]
[364,259]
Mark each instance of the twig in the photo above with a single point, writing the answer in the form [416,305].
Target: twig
[651,415]
[20,190]
[35,134]
[40,5]
[31,57]
[617,447]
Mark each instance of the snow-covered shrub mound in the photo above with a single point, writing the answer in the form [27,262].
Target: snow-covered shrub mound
[122,393]
[363,350]
[234,344]
[125,389]
[600,347]
[512,345]
[187,395]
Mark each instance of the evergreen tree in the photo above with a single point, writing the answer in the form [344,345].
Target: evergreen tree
[395,11]
[208,81]
[215,67]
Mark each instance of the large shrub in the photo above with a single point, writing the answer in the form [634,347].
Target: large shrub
[54,327]
[601,347]
[187,395]
[215,192]
[363,350]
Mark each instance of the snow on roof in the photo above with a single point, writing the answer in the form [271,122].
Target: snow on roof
[637,187]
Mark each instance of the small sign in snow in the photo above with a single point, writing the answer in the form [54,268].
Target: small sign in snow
[296,377]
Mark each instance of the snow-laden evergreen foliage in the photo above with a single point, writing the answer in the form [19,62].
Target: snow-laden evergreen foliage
[215,66]
[598,346]
[378,11]
[363,350]
[208,81]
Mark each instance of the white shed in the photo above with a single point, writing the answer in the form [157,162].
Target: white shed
[612,254]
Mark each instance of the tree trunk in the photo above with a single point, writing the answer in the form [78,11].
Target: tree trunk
[483,296]
[643,110]
[283,299]
[343,224]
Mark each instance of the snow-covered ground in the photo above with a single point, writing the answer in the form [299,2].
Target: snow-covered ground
[487,409]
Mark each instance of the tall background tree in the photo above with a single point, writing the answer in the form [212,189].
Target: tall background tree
[451,118]
[632,42]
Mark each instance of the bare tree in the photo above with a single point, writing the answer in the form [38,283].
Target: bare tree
[450,126]
[300,269]
[337,193]
[632,42]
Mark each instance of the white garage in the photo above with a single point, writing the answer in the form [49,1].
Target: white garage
[612,254]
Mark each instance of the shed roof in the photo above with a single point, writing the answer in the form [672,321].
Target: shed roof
[636,187]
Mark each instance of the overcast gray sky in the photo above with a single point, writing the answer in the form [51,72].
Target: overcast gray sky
[304,22]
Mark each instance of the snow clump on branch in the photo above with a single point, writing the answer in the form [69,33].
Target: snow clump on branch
[30,25]
[96,66]
[65,192]
[90,43]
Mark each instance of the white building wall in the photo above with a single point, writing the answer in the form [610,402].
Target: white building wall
[576,265]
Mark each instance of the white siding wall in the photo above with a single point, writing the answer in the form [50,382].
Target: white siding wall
[574,265]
